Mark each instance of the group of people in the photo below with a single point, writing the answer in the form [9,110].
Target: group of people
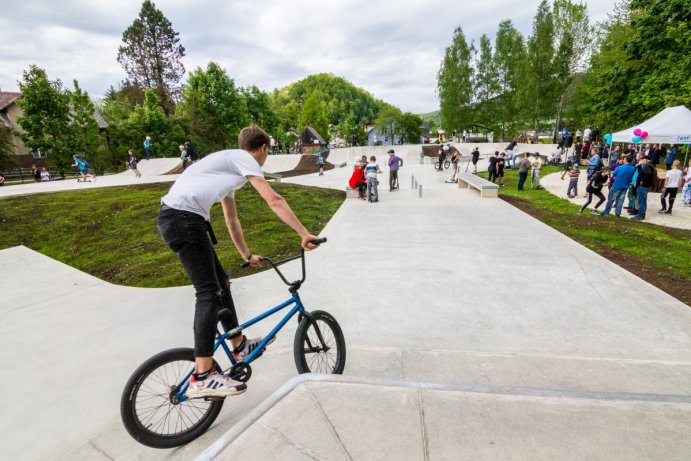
[365,173]
[40,175]
[629,174]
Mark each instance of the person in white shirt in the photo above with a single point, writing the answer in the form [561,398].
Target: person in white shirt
[586,135]
[184,225]
[671,187]
[535,164]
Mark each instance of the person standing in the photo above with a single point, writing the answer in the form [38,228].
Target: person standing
[655,154]
[617,193]
[646,176]
[501,161]
[133,164]
[492,166]
[686,191]
[183,157]
[671,187]
[614,155]
[372,170]
[574,174]
[594,187]
[536,164]
[523,167]
[586,135]
[147,147]
[320,163]
[395,162]
[475,157]
[442,157]
[671,156]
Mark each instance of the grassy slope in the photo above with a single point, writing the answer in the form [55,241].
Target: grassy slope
[657,254]
[111,232]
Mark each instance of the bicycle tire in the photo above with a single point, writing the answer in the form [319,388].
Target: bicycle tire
[447,164]
[306,340]
[139,426]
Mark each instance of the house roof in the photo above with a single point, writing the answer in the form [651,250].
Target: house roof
[102,124]
[7,98]
[309,134]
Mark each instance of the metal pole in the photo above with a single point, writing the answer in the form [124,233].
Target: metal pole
[420,191]
[412,182]
[686,157]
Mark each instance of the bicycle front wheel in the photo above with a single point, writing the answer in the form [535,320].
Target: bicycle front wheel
[447,164]
[149,411]
[322,350]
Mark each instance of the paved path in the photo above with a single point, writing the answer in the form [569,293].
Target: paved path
[680,217]
[447,288]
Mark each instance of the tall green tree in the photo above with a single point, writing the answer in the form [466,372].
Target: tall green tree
[148,119]
[314,115]
[573,40]
[215,109]
[454,84]
[45,119]
[85,139]
[7,158]
[261,111]
[389,122]
[509,54]
[410,128]
[486,85]
[151,54]
[538,89]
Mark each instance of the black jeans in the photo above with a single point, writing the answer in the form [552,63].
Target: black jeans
[598,194]
[187,235]
[672,192]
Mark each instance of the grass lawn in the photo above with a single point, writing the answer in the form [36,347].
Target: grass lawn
[657,254]
[111,232]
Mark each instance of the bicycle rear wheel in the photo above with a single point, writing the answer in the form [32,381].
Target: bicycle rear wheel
[148,409]
[319,355]
[447,164]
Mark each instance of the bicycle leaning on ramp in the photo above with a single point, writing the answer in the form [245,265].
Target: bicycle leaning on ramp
[154,407]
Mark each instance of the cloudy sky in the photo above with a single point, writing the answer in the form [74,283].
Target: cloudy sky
[390,48]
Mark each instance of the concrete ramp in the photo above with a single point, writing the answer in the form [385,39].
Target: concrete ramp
[157,167]
[331,417]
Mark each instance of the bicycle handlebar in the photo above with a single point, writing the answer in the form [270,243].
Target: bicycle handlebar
[275,265]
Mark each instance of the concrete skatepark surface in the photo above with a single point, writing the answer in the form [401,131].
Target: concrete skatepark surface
[448,289]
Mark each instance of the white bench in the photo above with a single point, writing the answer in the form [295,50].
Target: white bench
[486,188]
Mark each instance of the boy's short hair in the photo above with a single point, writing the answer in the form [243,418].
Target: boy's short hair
[252,138]
[373,159]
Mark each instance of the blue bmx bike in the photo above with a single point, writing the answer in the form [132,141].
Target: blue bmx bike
[157,413]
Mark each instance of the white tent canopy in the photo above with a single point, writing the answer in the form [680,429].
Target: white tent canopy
[671,126]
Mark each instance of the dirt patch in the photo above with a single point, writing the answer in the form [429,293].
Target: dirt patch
[307,165]
[640,266]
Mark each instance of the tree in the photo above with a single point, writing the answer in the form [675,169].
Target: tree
[509,53]
[7,159]
[215,108]
[410,128]
[45,117]
[538,89]
[573,38]
[261,111]
[314,115]
[454,84]
[85,135]
[148,119]
[486,85]
[389,122]
[151,54]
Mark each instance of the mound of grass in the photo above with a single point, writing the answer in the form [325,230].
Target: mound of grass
[657,254]
[111,232]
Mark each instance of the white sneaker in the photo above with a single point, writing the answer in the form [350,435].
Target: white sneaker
[247,346]
[215,385]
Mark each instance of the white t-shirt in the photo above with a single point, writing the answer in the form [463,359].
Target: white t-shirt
[207,181]
[673,178]
[586,134]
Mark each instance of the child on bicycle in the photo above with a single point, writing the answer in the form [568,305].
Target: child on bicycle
[184,225]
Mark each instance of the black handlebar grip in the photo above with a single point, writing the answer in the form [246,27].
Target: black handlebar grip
[318,241]
[245,264]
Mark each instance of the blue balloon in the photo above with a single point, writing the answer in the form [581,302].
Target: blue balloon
[636,139]
[608,137]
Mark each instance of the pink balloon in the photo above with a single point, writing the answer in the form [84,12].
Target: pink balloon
[644,134]
[637,132]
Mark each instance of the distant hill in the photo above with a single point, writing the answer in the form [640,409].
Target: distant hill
[343,101]
[432,115]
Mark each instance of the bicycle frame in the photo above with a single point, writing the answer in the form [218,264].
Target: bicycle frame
[221,340]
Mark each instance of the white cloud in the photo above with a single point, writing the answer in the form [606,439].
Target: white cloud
[391,49]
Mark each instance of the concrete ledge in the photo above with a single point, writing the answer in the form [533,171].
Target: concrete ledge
[351,193]
[487,189]
[574,410]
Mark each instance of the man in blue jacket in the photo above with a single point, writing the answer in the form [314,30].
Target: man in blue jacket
[622,178]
